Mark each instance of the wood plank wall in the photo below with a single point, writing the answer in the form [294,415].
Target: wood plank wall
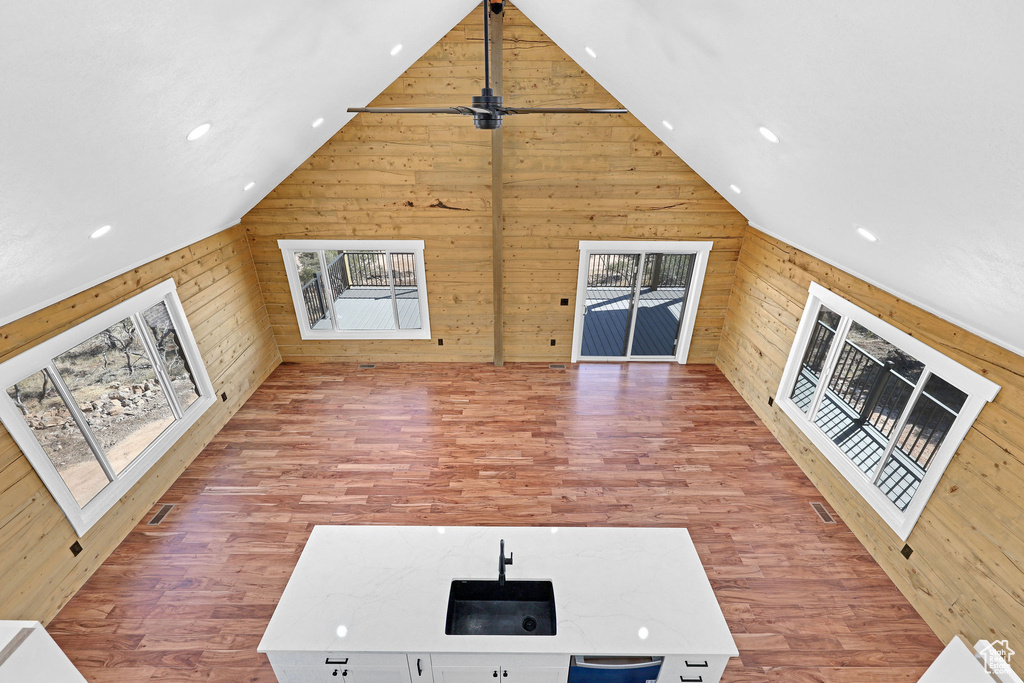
[592,177]
[966,573]
[220,293]
[566,178]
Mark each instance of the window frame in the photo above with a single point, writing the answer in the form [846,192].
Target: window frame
[979,390]
[41,357]
[288,251]
[702,252]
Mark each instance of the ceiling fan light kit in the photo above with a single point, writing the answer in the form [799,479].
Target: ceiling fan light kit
[487,109]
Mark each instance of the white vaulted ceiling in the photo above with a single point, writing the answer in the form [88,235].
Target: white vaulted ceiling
[96,99]
[903,118]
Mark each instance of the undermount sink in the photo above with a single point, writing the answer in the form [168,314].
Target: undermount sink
[488,608]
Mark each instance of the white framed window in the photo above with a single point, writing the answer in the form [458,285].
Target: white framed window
[358,289]
[96,406]
[887,410]
[637,300]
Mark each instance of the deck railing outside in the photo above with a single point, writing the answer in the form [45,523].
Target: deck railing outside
[863,403]
[357,270]
[313,298]
[660,270]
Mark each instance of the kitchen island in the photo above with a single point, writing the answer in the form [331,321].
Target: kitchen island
[369,604]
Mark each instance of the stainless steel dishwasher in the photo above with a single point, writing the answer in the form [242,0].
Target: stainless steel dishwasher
[588,669]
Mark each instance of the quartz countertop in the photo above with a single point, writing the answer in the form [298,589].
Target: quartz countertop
[385,589]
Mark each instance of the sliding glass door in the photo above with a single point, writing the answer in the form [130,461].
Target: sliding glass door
[634,299]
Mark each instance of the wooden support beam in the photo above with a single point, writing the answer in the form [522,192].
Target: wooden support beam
[497,230]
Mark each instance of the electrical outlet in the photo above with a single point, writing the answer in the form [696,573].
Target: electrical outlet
[565,302]
[907,551]
[440,342]
[552,342]
[76,548]
[771,401]
[224,396]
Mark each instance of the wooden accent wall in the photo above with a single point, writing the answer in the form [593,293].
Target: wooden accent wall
[220,293]
[966,573]
[575,177]
[566,178]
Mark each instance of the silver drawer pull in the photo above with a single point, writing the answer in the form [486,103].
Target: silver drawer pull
[698,679]
[337,661]
[695,665]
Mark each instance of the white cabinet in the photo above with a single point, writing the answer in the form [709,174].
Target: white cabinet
[495,668]
[357,667]
[419,668]
[692,669]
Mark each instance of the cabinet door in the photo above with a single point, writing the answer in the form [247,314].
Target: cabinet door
[419,668]
[338,672]
[467,674]
[377,674]
[535,674]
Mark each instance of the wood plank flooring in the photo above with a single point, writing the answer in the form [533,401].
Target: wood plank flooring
[595,444]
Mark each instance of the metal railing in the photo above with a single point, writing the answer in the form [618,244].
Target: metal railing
[620,270]
[870,387]
[612,270]
[370,269]
[927,426]
[313,298]
[817,349]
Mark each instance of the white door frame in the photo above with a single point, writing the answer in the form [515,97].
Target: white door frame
[701,250]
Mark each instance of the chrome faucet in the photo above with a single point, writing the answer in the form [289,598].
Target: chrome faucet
[502,561]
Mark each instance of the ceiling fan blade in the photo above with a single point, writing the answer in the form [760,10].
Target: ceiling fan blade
[561,110]
[409,110]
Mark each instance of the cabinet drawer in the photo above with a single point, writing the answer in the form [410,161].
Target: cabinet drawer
[352,659]
[692,669]
[341,673]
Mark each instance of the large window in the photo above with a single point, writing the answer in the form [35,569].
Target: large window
[887,410]
[94,407]
[358,289]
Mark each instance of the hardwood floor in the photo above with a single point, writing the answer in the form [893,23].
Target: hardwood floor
[595,444]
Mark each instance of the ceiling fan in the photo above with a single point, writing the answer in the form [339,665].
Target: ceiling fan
[487,109]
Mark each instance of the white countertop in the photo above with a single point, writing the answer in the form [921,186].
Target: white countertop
[33,656]
[388,587]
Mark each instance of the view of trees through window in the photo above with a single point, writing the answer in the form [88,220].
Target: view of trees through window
[168,347]
[55,430]
[112,379]
[98,405]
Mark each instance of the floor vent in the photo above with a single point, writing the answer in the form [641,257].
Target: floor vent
[823,513]
[367,366]
[557,366]
[160,514]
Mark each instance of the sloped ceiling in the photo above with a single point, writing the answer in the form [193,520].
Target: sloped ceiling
[98,98]
[902,118]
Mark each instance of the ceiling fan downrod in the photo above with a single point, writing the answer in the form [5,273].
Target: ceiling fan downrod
[491,119]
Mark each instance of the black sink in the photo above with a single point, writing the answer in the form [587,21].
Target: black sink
[485,608]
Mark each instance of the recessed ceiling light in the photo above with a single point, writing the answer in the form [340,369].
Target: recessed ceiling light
[768,135]
[199,131]
[396,49]
[248,186]
[735,189]
[866,234]
[342,631]
[642,632]
[590,51]
[100,232]
[667,125]
[316,124]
